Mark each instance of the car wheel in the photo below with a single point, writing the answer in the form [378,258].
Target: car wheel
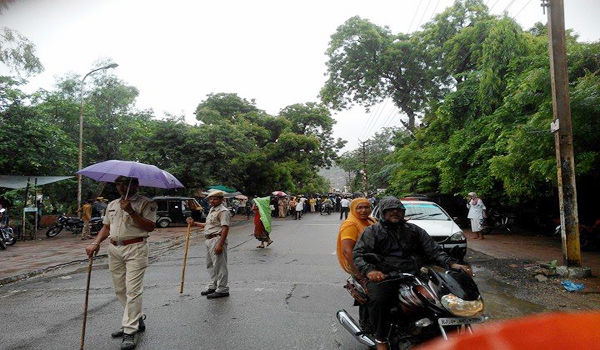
[163,223]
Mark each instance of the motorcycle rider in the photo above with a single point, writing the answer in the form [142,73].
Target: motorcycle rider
[404,246]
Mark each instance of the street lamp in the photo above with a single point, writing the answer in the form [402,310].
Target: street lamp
[112,65]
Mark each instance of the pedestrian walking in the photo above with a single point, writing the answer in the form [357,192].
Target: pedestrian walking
[86,216]
[345,208]
[312,201]
[127,223]
[477,214]
[216,229]
[262,221]
[281,207]
[293,203]
[299,208]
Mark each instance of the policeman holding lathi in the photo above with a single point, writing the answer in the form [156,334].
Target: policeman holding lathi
[127,223]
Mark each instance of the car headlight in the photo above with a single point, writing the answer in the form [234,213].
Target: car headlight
[462,308]
[458,236]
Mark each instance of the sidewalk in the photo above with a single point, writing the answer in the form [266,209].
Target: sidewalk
[518,246]
[29,258]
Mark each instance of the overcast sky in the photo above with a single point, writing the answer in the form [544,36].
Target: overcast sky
[176,52]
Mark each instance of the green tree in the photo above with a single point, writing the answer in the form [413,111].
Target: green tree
[18,53]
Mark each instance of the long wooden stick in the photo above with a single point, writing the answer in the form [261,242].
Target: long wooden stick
[187,244]
[87,294]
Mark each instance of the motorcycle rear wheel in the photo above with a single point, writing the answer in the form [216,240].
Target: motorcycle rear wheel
[53,231]
[11,238]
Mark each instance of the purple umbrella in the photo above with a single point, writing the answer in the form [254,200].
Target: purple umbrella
[147,175]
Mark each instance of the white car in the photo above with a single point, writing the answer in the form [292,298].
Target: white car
[438,224]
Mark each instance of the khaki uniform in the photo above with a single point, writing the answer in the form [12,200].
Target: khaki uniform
[217,263]
[86,216]
[127,264]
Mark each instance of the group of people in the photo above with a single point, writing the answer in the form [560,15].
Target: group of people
[404,245]
[127,224]
[130,218]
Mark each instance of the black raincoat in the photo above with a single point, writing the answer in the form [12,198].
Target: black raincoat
[405,246]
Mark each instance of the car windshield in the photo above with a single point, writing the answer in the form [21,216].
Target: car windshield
[424,212]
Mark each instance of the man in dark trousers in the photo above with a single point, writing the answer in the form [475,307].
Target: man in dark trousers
[403,245]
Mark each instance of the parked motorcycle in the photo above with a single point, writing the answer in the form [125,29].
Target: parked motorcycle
[74,225]
[7,236]
[431,304]
[497,221]
[589,236]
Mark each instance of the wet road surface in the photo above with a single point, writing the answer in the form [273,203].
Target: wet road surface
[282,297]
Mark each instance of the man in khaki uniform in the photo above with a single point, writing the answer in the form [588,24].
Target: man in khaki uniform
[86,216]
[127,222]
[216,230]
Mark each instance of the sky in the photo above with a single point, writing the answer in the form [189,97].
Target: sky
[176,52]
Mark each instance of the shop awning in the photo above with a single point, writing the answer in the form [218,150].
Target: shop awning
[16,182]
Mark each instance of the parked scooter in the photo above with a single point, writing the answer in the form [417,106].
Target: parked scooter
[430,305]
[74,225]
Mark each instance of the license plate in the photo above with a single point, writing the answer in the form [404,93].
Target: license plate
[460,320]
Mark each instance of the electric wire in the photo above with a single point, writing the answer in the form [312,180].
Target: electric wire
[414,16]
[423,15]
[522,8]
[376,118]
[370,119]
[491,8]
[435,8]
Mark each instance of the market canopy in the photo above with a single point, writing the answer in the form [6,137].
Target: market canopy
[16,182]
[222,188]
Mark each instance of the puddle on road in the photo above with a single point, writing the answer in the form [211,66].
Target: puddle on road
[500,300]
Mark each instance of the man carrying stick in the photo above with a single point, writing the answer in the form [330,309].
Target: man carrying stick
[127,222]
[216,229]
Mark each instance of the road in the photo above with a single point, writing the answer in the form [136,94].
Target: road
[282,297]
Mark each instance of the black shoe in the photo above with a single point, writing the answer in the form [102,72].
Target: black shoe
[217,295]
[141,328]
[129,341]
[207,292]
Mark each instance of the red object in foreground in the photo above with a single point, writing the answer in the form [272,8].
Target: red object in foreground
[555,331]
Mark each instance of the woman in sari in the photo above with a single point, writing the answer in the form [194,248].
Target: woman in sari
[262,221]
[350,231]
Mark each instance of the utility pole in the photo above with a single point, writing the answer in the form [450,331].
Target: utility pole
[365,178]
[563,137]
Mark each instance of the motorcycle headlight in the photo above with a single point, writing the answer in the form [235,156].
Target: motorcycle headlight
[461,308]
[458,236]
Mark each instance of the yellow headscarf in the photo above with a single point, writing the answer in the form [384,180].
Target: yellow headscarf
[353,217]
[352,220]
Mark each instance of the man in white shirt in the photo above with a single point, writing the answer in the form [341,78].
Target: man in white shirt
[345,208]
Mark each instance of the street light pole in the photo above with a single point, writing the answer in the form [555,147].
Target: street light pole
[112,65]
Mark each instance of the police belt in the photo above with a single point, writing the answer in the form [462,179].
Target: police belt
[127,241]
[212,235]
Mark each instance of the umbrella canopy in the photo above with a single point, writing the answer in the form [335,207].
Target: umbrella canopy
[222,188]
[147,175]
[279,193]
[241,196]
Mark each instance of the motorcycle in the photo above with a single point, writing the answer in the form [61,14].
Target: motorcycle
[499,222]
[326,209]
[7,236]
[435,302]
[74,225]
[589,236]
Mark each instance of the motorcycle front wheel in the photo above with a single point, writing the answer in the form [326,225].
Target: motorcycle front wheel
[53,231]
